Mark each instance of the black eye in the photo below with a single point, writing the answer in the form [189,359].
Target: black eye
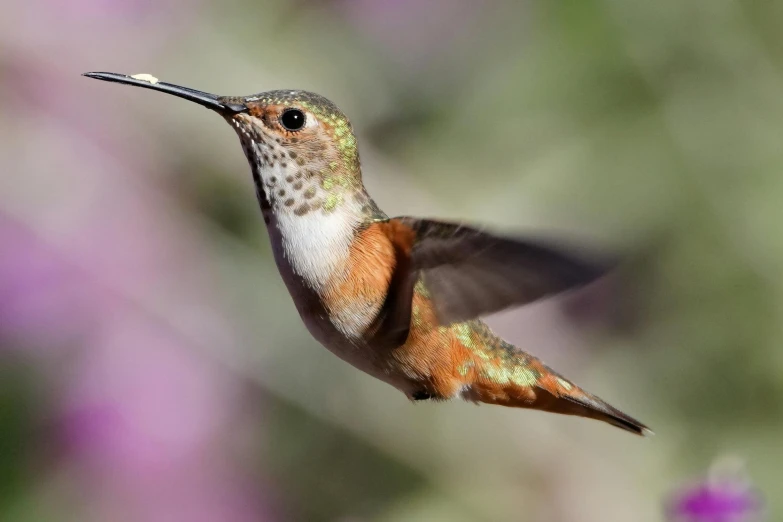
[292,119]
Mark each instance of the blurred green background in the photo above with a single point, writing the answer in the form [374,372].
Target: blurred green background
[153,367]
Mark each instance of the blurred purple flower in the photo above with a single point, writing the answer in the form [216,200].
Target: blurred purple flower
[120,12]
[37,289]
[716,503]
[41,27]
[721,497]
[145,418]
[141,413]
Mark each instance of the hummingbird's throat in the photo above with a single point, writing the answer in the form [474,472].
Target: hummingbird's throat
[299,177]
[312,211]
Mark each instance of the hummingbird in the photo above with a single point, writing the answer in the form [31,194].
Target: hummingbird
[399,298]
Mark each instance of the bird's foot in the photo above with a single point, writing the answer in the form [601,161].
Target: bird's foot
[421,395]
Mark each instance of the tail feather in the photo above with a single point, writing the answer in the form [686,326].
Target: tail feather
[500,373]
[594,408]
[557,395]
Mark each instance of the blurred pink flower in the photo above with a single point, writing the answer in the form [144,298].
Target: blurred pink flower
[118,12]
[41,297]
[144,416]
[70,28]
[721,497]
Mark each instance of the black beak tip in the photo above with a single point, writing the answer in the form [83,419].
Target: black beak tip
[95,75]
[106,76]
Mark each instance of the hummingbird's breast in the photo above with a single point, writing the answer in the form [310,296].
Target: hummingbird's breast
[339,279]
[338,274]
[333,259]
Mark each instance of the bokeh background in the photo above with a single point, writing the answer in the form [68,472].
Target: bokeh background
[153,367]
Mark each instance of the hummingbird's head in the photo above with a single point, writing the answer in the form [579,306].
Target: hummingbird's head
[300,146]
[301,149]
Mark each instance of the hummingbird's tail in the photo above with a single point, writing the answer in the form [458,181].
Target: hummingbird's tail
[587,405]
[543,389]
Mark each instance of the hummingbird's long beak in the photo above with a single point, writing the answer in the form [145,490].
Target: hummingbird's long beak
[146,81]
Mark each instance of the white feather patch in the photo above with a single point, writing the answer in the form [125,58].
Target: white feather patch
[317,244]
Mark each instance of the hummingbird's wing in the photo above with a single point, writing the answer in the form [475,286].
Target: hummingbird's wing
[469,273]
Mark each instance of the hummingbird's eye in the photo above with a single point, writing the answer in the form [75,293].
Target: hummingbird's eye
[292,120]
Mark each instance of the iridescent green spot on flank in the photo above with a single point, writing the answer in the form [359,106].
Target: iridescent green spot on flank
[416,315]
[499,361]
[525,376]
[421,289]
[503,375]
[484,355]
[463,333]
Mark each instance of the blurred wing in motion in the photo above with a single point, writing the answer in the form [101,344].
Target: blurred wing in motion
[469,273]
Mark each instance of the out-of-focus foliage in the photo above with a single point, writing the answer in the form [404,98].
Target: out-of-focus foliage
[153,367]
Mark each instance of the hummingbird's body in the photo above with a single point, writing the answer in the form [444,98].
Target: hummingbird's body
[398,298]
